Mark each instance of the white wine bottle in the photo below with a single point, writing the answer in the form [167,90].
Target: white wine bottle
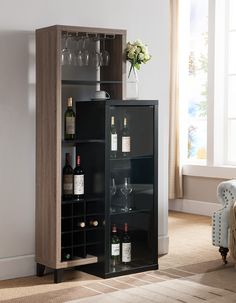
[69,128]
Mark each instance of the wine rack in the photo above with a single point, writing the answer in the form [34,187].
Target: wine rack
[78,237]
[61,241]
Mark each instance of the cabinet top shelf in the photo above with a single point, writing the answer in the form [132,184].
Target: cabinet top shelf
[89,82]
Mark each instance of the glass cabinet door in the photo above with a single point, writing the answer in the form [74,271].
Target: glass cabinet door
[131,182]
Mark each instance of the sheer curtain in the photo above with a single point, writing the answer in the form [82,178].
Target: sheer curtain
[175,173]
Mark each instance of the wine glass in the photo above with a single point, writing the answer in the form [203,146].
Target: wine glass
[85,52]
[113,187]
[113,192]
[126,190]
[66,54]
[105,56]
[95,54]
[78,52]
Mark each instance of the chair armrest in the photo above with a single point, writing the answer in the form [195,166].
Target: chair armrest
[226,194]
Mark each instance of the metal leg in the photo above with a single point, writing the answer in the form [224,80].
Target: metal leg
[223,251]
[58,275]
[40,269]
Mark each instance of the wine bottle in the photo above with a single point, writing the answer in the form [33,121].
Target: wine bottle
[81,224]
[78,180]
[66,256]
[68,173]
[125,139]
[126,246]
[69,128]
[93,223]
[113,138]
[115,247]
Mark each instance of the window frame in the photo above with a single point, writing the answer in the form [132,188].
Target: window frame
[216,165]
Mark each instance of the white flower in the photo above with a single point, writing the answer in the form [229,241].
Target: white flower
[131,55]
[138,42]
[138,50]
[141,56]
[129,46]
[137,53]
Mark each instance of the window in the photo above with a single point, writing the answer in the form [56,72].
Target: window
[208,82]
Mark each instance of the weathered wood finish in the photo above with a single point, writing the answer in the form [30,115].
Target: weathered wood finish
[48,147]
[48,134]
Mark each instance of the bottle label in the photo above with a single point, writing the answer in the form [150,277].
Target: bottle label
[70,125]
[113,142]
[78,184]
[125,144]
[126,252]
[68,184]
[115,249]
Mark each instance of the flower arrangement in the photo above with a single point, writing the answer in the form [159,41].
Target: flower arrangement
[136,53]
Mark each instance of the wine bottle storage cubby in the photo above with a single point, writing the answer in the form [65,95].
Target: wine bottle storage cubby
[82,226]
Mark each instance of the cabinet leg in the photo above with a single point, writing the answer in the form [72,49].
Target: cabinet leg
[58,275]
[40,269]
[223,251]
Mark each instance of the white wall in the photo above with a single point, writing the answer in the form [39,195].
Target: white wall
[18,21]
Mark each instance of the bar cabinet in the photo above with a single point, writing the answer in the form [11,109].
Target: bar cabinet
[120,188]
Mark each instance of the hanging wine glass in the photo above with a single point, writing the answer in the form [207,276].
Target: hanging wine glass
[85,52]
[79,52]
[95,54]
[126,190]
[105,56]
[66,54]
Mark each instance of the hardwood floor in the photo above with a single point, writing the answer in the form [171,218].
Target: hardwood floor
[191,272]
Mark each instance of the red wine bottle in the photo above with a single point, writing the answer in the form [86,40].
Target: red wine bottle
[68,173]
[126,246]
[78,180]
[125,143]
[115,247]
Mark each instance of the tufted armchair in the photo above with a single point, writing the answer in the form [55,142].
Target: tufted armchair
[226,194]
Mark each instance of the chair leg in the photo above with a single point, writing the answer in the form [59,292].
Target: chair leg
[223,251]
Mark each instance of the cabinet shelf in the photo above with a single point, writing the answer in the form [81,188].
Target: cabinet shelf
[82,229]
[82,215]
[76,142]
[79,261]
[89,82]
[81,245]
[131,158]
[86,199]
[131,212]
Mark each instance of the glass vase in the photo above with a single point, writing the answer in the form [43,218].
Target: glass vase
[132,84]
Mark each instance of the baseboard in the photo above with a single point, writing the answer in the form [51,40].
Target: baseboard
[15,267]
[163,245]
[194,207]
[23,266]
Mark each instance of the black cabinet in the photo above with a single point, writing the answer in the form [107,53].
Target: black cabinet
[118,189]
